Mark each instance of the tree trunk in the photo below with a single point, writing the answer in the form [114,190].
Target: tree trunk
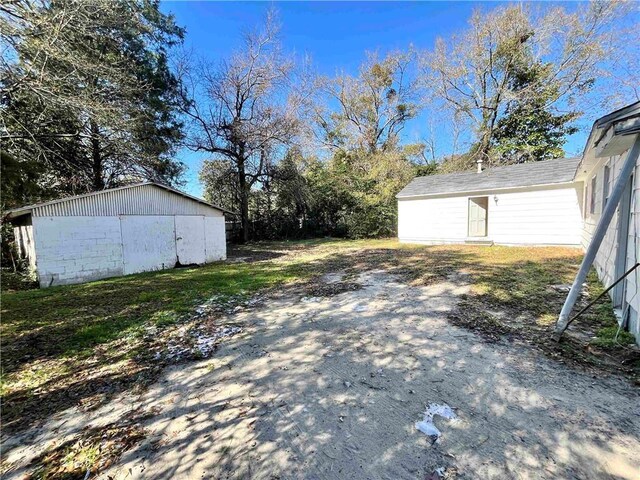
[484,145]
[98,181]
[244,201]
[488,126]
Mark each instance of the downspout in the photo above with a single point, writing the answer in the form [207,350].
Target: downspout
[596,241]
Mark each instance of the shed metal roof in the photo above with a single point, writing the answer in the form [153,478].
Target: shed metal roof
[146,198]
[548,172]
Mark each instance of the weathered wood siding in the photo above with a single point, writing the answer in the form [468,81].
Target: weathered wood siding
[25,243]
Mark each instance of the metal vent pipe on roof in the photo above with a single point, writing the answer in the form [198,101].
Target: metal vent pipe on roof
[479,162]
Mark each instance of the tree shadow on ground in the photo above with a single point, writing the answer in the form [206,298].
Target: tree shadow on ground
[327,389]
[411,355]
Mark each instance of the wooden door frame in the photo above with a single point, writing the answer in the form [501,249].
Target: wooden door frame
[486,217]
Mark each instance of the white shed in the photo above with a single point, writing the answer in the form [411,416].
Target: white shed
[527,204]
[136,228]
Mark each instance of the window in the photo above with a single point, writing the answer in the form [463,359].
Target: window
[592,200]
[606,187]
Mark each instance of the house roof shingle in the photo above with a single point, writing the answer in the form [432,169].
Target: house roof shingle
[548,172]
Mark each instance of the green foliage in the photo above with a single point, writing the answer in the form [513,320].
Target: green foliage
[220,181]
[530,130]
[20,180]
[361,189]
[349,195]
[613,337]
[458,163]
[515,76]
[290,185]
[90,103]
[328,199]
[280,207]
[430,168]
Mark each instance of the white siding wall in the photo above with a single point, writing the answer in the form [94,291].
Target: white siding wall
[77,249]
[433,220]
[190,239]
[534,216]
[549,216]
[605,259]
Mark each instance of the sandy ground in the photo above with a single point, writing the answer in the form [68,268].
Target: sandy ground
[325,388]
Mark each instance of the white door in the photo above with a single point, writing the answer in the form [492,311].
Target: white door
[190,244]
[148,243]
[478,216]
[215,238]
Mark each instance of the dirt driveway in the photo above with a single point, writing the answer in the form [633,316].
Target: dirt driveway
[332,387]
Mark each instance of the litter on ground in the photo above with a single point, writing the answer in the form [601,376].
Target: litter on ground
[427,426]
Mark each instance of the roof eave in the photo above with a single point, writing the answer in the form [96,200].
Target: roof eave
[603,125]
[17,213]
[480,190]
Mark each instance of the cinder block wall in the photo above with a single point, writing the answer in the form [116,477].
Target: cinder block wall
[77,249]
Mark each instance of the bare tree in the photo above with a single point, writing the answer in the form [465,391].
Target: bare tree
[620,71]
[372,108]
[241,110]
[472,71]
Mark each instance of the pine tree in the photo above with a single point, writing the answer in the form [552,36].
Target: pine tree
[87,92]
[531,130]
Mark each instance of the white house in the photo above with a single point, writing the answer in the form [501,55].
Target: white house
[119,231]
[528,204]
[615,141]
[555,202]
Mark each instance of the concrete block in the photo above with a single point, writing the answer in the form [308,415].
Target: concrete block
[79,249]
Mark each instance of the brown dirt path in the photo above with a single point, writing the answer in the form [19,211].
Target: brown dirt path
[331,387]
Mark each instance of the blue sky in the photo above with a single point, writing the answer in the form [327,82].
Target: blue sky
[335,35]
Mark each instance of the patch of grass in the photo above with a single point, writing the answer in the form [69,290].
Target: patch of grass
[513,294]
[610,337]
[12,281]
[600,314]
[164,318]
[601,319]
[65,320]
[547,320]
[80,343]
[83,343]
